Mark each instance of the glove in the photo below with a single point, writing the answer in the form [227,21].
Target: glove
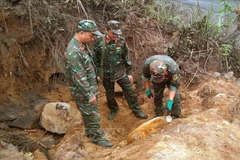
[169,104]
[149,93]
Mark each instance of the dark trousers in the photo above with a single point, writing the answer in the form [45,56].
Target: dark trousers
[91,119]
[129,94]
[158,98]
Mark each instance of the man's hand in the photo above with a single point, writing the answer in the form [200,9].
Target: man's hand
[98,79]
[149,93]
[169,104]
[130,77]
[92,100]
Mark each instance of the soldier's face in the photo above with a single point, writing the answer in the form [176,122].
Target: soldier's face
[88,37]
[112,35]
[158,79]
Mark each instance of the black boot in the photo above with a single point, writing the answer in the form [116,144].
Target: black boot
[102,133]
[140,114]
[104,143]
[159,112]
[175,117]
[176,112]
[112,114]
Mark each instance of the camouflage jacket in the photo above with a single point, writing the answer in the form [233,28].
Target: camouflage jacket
[80,71]
[173,72]
[116,62]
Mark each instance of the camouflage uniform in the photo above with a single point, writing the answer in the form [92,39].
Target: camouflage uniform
[117,66]
[81,73]
[172,81]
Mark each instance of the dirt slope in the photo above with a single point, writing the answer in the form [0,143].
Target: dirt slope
[208,129]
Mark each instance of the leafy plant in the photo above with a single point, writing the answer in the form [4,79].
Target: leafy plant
[224,13]
[226,51]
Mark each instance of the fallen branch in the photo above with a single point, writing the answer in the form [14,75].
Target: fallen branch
[80,3]
[30,16]
[187,85]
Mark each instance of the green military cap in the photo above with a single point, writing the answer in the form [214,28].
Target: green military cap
[157,70]
[114,26]
[88,26]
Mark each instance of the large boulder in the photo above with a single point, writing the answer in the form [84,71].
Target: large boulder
[58,117]
[26,119]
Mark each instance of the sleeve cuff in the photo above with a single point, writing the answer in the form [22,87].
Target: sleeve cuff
[145,79]
[129,72]
[89,96]
[173,88]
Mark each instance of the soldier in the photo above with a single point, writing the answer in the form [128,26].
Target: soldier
[81,73]
[114,65]
[163,71]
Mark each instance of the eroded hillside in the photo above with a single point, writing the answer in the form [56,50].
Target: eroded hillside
[31,75]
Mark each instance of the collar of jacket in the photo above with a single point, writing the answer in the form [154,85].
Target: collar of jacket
[108,40]
[81,45]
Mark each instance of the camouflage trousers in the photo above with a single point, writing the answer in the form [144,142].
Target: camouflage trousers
[158,99]
[129,94]
[91,119]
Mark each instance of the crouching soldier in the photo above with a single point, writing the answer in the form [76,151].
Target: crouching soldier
[163,71]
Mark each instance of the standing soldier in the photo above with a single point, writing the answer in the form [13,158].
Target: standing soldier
[111,59]
[81,74]
[163,71]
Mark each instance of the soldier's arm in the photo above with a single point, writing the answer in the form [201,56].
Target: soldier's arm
[146,76]
[78,66]
[175,80]
[97,55]
[127,61]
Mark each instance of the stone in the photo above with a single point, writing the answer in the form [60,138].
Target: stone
[216,75]
[228,75]
[58,117]
[29,119]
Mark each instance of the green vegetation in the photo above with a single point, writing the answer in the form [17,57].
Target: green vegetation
[196,36]
[226,51]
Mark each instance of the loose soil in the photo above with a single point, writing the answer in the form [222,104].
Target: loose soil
[31,69]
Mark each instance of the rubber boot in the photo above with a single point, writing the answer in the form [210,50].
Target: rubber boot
[112,114]
[176,112]
[175,117]
[159,112]
[140,114]
[104,143]
[102,133]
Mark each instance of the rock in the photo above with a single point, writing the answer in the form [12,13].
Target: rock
[3,126]
[58,117]
[8,116]
[29,119]
[238,82]
[71,147]
[47,142]
[193,94]
[39,155]
[216,75]
[228,75]
[8,151]
[123,143]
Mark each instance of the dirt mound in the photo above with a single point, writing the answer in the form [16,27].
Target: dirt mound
[208,127]
[31,45]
